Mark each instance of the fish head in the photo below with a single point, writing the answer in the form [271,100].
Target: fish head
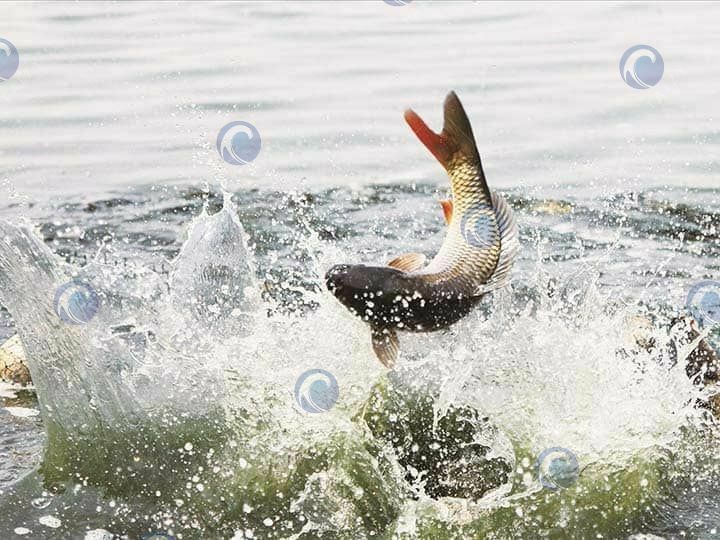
[359,287]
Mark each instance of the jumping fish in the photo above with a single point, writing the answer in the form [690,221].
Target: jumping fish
[475,258]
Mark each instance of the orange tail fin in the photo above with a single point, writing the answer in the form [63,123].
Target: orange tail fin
[455,138]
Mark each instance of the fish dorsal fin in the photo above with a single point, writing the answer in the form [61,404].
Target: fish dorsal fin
[447,207]
[409,262]
[509,245]
[386,345]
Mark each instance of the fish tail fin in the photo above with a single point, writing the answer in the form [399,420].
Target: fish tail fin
[456,137]
[457,129]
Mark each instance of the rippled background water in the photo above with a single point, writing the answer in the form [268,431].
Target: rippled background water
[109,96]
[107,133]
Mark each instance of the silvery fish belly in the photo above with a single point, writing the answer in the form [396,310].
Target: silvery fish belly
[476,256]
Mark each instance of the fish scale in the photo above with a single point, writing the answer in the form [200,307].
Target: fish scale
[457,259]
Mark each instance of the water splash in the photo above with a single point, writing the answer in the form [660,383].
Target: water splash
[213,279]
[185,388]
[140,354]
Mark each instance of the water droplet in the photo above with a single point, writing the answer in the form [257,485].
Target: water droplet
[50,521]
[41,502]
[99,534]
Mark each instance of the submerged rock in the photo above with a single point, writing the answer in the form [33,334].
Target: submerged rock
[446,454]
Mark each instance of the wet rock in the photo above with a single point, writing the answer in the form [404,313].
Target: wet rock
[12,362]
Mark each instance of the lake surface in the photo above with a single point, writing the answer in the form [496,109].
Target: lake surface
[113,96]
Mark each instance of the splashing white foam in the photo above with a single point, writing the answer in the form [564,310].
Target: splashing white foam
[547,371]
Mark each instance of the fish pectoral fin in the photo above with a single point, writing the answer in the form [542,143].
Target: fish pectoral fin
[409,262]
[447,207]
[386,346]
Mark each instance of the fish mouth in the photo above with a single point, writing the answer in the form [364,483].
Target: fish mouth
[334,276]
